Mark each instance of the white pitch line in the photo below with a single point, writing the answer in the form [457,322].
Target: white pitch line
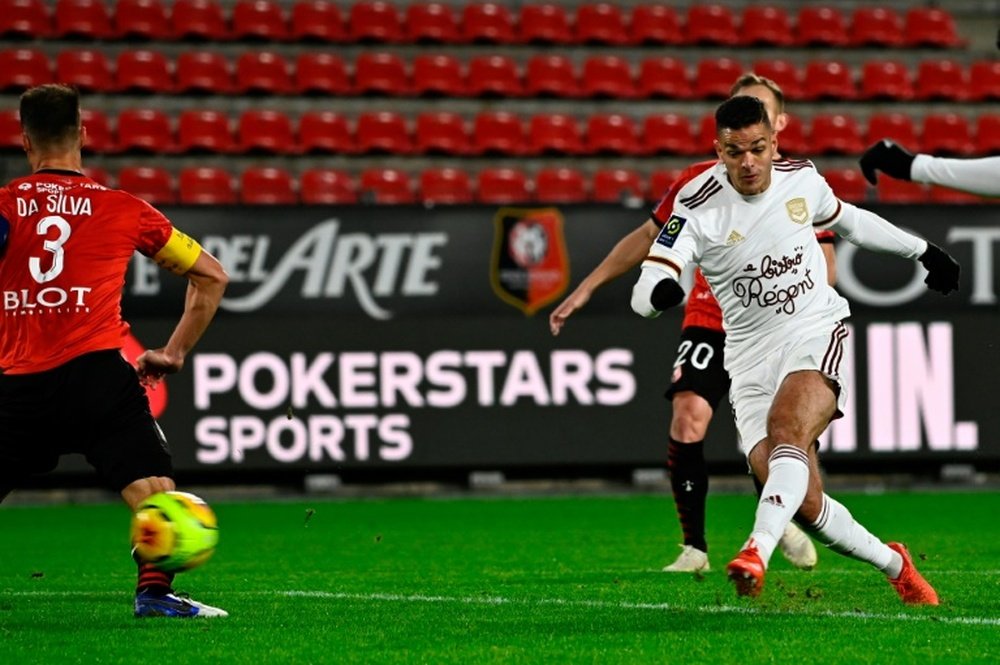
[540,602]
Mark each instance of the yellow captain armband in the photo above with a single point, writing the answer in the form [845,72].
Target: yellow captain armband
[179,254]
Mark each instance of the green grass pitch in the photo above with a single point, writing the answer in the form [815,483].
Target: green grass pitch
[476,580]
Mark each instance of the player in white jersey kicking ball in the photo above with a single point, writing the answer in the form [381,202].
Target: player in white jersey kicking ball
[749,224]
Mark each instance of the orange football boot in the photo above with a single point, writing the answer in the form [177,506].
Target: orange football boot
[746,571]
[911,586]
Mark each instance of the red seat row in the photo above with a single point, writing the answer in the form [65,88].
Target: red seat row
[498,133]
[447,186]
[492,22]
[256,72]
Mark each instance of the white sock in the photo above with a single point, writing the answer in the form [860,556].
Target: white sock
[838,530]
[787,481]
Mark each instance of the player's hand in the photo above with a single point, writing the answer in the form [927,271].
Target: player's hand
[887,156]
[154,364]
[654,293]
[942,270]
[576,300]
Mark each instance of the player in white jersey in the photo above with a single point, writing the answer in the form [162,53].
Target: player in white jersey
[749,224]
[978,176]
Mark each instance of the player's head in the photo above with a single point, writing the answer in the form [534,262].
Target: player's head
[50,121]
[768,92]
[745,142]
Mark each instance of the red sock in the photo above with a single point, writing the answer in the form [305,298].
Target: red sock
[154,580]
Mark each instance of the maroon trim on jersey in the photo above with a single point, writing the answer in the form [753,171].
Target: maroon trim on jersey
[831,217]
[704,193]
[667,262]
[834,350]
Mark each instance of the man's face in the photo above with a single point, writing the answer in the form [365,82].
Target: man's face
[747,154]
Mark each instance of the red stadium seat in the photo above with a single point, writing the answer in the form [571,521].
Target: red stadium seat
[100,138]
[24,19]
[203,72]
[612,133]
[268,132]
[664,77]
[929,26]
[81,19]
[445,186]
[601,23]
[715,76]
[383,132]
[259,20]
[951,196]
[201,20]
[143,71]
[204,131]
[152,184]
[325,132]
[886,80]
[792,139]
[617,186]
[551,76]
[431,23]
[660,181]
[988,134]
[890,190]
[560,185]
[145,130]
[380,74]
[267,185]
[262,73]
[896,126]
[500,186]
[705,136]
[317,21]
[386,186]
[545,23]
[984,80]
[656,25]
[711,24]
[835,133]
[98,175]
[206,185]
[23,68]
[489,23]
[374,21]
[10,131]
[783,72]
[821,26]
[947,134]
[141,19]
[942,80]
[438,76]
[765,25]
[493,76]
[668,134]
[554,134]
[320,73]
[848,184]
[498,133]
[876,26]
[441,133]
[608,76]
[327,187]
[827,79]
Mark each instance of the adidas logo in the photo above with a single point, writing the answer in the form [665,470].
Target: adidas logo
[774,500]
[734,238]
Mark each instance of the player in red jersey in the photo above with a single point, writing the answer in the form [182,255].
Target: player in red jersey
[65,244]
[699,380]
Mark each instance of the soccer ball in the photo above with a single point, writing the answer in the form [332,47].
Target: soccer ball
[174,531]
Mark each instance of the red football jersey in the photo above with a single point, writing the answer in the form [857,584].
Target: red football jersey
[702,309]
[63,266]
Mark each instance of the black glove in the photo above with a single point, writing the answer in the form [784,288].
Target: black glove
[942,270]
[887,156]
[666,294]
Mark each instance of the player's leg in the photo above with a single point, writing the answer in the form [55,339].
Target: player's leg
[794,545]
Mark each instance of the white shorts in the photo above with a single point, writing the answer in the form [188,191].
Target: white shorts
[753,389]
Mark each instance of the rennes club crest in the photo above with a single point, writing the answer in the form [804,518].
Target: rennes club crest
[530,267]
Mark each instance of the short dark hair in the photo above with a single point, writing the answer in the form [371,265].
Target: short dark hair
[751,79]
[50,114]
[739,112]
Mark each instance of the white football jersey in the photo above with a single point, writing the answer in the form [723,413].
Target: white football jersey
[759,254]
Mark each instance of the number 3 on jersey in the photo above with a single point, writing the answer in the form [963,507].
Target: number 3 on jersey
[53,246]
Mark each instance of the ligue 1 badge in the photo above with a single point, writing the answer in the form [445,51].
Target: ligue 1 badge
[530,265]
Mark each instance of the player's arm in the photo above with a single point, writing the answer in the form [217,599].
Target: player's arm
[866,229]
[830,254]
[658,288]
[978,176]
[624,256]
[207,282]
